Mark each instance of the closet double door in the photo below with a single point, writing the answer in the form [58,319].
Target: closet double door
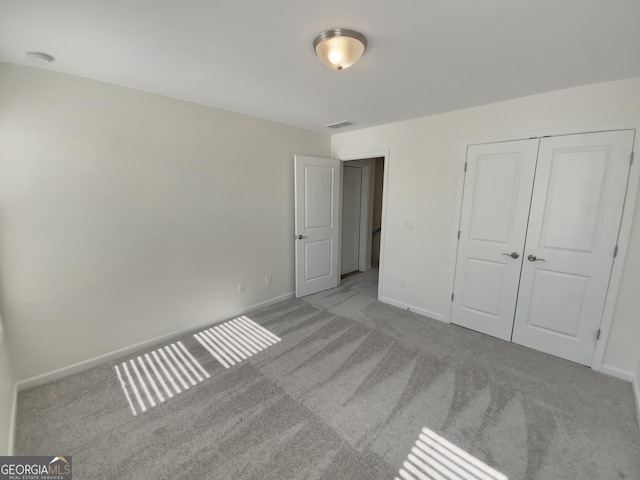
[538,233]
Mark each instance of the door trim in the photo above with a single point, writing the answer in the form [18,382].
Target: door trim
[625,225]
[385,189]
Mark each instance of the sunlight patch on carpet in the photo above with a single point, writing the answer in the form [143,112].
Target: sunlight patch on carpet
[434,458]
[236,340]
[150,379]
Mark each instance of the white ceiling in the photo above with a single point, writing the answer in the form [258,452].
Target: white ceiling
[256,57]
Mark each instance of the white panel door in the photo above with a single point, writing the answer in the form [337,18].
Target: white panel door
[575,217]
[351,189]
[317,223]
[497,194]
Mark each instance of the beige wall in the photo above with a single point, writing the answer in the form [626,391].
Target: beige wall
[423,180]
[7,383]
[127,215]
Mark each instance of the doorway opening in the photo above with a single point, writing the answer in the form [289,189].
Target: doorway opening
[318,222]
[361,228]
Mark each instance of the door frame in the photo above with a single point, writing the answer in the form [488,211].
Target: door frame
[385,154]
[623,236]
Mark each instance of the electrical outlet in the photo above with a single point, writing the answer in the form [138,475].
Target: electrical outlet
[268,279]
[403,282]
[242,287]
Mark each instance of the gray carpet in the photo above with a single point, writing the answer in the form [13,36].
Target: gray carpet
[344,395]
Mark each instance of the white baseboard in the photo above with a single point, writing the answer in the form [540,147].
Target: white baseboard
[414,309]
[271,301]
[617,372]
[92,362]
[12,420]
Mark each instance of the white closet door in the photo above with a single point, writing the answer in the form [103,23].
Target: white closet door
[493,226]
[574,221]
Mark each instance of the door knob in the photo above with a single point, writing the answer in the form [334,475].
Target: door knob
[299,237]
[512,254]
[533,258]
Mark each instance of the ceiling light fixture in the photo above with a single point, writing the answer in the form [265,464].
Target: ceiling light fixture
[39,58]
[339,48]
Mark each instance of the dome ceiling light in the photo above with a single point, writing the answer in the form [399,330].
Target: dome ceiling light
[339,48]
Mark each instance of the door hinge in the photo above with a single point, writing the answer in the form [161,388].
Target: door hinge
[615,252]
[452,297]
[598,335]
[458,234]
[465,166]
[631,158]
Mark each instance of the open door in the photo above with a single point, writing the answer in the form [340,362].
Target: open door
[317,223]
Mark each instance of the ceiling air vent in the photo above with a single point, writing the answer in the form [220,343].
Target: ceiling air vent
[346,123]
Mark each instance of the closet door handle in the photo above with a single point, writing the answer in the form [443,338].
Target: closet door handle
[512,254]
[533,258]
